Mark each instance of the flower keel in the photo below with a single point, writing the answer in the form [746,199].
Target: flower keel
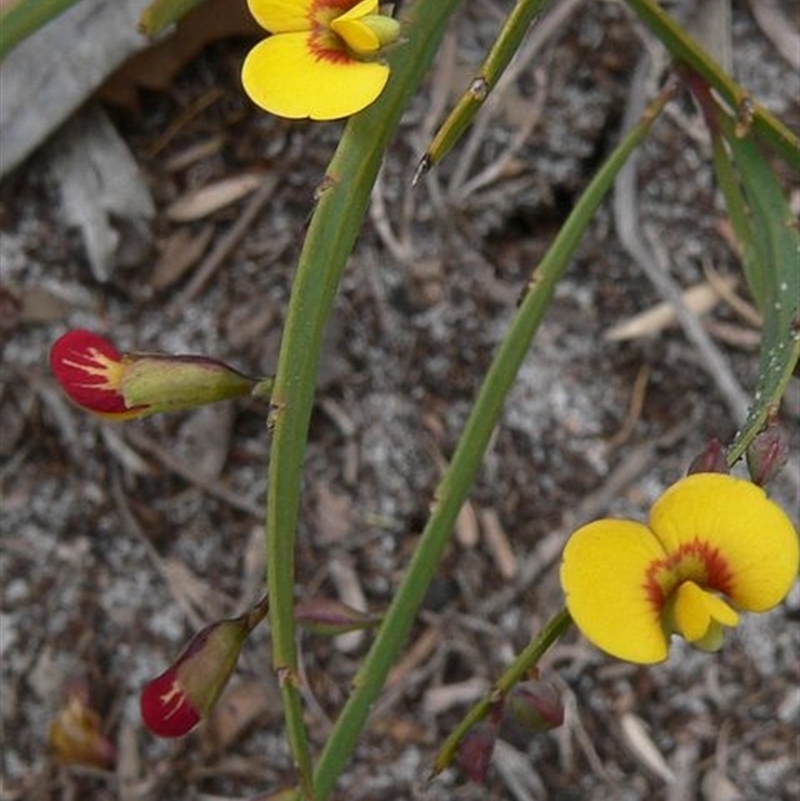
[696,612]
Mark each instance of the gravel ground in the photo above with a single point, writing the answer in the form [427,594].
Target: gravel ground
[119,541]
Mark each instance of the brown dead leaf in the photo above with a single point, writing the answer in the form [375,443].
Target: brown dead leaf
[156,67]
[240,706]
[643,748]
[402,730]
[334,515]
[467,528]
[199,203]
[700,299]
[419,653]
[498,543]
[11,306]
[779,28]
[40,305]
[196,597]
[195,153]
[76,735]
[204,439]
[439,699]
[179,253]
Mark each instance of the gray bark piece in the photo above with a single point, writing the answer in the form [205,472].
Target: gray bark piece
[100,184]
[50,74]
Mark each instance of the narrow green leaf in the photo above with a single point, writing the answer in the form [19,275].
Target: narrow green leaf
[687,51]
[738,214]
[774,255]
[503,50]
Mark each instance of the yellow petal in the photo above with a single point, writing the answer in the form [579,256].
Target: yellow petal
[603,574]
[752,543]
[283,75]
[282,16]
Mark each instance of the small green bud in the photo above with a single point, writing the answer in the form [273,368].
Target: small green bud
[330,617]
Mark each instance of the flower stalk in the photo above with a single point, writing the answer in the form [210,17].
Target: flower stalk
[454,486]
[341,208]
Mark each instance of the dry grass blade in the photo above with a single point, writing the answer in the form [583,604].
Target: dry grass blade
[780,29]
[226,244]
[699,299]
[212,487]
[199,203]
[641,745]
[498,544]
[514,767]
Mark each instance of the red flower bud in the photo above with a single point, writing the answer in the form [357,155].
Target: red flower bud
[475,751]
[535,705]
[767,454]
[173,703]
[124,386]
[711,460]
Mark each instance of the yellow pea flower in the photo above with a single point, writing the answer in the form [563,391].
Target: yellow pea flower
[715,544]
[320,60]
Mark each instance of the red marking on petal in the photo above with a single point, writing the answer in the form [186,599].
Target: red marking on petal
[327,46]
[165,707]
[696,561]
[324,44]
[655,592]
[88,367]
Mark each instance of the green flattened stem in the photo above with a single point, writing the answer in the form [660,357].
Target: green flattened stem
[515,673]
[19,20]
[454,486]
[687,51]
[772,259]
[334,226]
[769,244]
[503,50]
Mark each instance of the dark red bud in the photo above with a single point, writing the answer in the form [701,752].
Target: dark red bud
[536,705]
[767,454]
[475,751]
[166,708]
[711,460]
